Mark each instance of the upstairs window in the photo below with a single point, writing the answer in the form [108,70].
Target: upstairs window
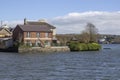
[46,35]
[38,35]
[28,35]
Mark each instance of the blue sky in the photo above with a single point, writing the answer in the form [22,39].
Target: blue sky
[68,16]
[34,9]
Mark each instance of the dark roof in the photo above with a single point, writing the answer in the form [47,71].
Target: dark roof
[74,39]
[40,23]
[36,28]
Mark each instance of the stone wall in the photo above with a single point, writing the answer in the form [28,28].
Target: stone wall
[44,50]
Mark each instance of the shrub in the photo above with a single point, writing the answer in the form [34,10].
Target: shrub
[24,46]
[76,46]
[96,46]
[82,47]
[73,46]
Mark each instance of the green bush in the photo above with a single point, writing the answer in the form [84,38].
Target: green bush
[82,47]
[24,46]
[96,46]
[73,46]
[92,47]
[76,46]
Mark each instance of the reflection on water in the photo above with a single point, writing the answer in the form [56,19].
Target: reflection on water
[95,65]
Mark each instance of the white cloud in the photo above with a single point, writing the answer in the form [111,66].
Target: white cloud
[106,22]
[12,23]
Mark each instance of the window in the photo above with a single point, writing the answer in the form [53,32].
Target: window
[37,34]
[28,34]
[47,43]
[37,43]
[46,35]
[28,43]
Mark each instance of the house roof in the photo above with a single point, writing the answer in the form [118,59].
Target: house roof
[36,28]
[6,29]
[39,23]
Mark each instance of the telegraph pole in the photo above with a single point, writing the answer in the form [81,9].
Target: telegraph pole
[1,23]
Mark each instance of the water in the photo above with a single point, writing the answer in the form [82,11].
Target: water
[95,65]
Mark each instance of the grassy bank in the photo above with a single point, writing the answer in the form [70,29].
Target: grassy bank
[77,46]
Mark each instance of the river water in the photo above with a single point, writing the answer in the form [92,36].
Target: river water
[93,65]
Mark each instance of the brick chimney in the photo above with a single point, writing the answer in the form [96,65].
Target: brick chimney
[25,21]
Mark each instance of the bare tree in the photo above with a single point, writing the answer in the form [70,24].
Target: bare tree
[85,37]
[90,33]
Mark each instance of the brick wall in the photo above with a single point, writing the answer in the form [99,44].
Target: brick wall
[42,35]
[33,37]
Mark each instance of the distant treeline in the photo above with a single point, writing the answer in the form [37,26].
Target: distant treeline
[64,38]
[88,35]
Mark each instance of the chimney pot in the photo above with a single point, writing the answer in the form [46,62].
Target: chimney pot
[25,21]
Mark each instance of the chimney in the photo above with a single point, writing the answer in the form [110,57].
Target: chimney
[25,21]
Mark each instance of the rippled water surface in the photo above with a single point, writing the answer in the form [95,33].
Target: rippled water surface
[94,65]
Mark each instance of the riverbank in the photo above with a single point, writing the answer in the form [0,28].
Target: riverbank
[73,46]
[10,49]
[44,50]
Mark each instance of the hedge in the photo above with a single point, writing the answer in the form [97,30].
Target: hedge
[77,46]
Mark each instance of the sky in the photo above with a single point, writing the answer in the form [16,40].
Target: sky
[68,16]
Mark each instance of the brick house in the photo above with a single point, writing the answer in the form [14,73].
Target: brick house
[34,33]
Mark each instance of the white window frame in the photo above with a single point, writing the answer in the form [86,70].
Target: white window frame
[38,34]
[28,35]
[47,35]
